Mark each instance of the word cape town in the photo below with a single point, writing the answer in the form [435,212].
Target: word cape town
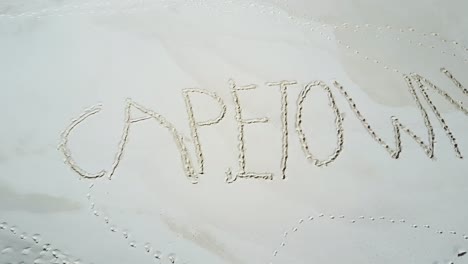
[417,87]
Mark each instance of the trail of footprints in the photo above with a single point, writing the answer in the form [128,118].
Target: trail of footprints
[158,256]
[90,8]
[357,27]
[310,25]
[66,9]
[99,8]
[307,24]
[380,28]
[22,248]
[311,219]
[93,8]
[409,29]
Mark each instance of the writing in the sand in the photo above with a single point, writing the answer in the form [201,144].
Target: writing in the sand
[417,85]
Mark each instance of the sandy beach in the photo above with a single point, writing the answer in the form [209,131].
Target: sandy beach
[233,132]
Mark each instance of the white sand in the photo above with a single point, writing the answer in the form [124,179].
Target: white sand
[59,58]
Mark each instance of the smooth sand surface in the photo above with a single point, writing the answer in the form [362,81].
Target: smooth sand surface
[350,202]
